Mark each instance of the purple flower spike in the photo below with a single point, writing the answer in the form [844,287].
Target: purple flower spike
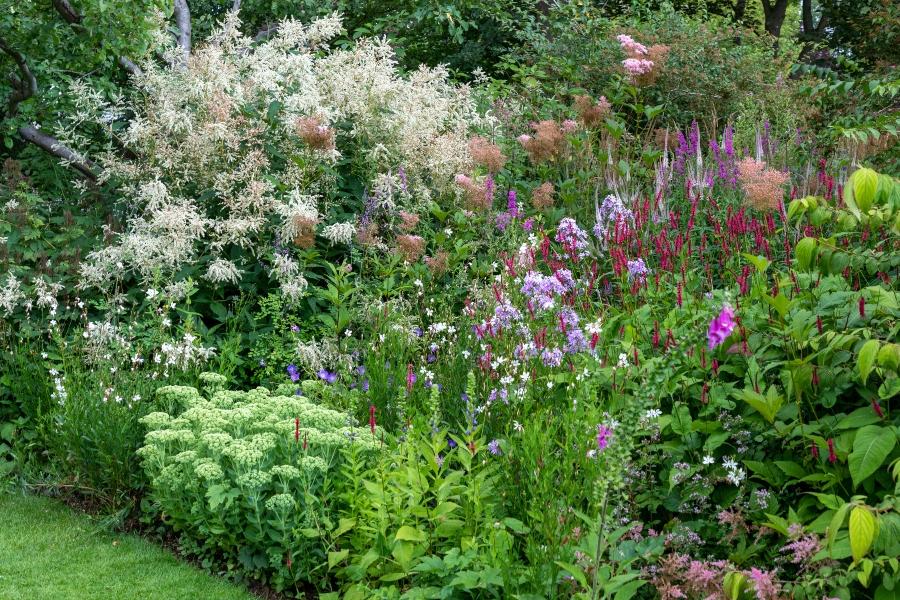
[604,433]
[721,327]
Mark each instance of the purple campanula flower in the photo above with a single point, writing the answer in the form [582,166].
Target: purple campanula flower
[327,376]
[528,224]
[502,220]
[293,372]
[494,447]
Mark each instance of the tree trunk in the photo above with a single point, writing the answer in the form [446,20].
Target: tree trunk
[774,15]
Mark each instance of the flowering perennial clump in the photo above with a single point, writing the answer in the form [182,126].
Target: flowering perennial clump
[201,191]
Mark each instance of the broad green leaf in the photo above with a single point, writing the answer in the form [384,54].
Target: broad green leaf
[337,557]
[409,534]
[575,571]
[863,528]
[871,447]
[805,252]
[734,584]
[865,362]
[864,183]
[837,521]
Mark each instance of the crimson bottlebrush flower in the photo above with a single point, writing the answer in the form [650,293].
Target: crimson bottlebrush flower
[832,457]
[372,418]
[715,367]
[877,408]
[815,377]
[819,324]
[297,429]
[862,307]
[703,393]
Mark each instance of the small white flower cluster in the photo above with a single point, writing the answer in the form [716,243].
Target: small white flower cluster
[735,475]
[339,233]
[10,294]
[182,353]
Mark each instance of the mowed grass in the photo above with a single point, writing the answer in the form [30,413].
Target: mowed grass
[49,552]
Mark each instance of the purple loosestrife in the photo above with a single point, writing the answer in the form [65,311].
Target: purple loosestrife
[721,327]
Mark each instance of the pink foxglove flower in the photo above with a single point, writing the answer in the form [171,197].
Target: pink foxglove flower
[721,327]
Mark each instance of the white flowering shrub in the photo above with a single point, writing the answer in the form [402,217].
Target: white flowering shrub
[237,160]
[248,475]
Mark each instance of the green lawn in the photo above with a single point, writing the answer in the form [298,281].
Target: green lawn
[47,552]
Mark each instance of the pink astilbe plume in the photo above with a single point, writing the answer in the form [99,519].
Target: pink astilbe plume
[486,154]
[763,186]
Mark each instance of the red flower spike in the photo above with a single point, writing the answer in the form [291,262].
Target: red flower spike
[877,408]
[832,457]
[862,307]
[372,418]
[297,430]
[814,450]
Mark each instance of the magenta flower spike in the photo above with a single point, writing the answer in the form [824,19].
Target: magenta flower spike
[720,327]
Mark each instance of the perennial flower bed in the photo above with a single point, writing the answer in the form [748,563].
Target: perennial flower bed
[359,332]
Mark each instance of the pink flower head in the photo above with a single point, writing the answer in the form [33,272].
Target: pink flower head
[721,327]
[604,433]
[637,66]
[569,125]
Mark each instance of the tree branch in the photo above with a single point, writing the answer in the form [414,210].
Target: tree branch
[67,11]
[236,6]
[50,144]
[183,20]
[264,33]
[25,87]
[129,65]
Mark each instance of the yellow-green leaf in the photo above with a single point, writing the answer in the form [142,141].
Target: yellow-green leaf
[871,446]
[336,557]
[863,527]
[864,183]
[409,534]
[734,585]
[805,252]
[866,360]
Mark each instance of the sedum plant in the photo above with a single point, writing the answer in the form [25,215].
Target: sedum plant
[248,476]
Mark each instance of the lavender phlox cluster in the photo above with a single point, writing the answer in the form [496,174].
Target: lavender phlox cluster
[637,270]
[505,314]
[571,236]
[610,212]
[542,289]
